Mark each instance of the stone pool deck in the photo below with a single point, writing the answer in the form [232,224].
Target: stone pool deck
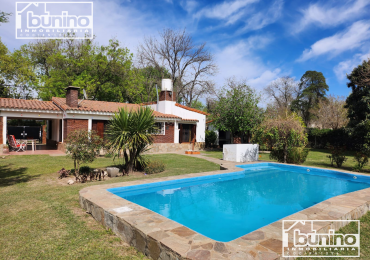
[161,238]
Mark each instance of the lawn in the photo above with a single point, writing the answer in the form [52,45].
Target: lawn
[42,219]
[352,229]
[316,157]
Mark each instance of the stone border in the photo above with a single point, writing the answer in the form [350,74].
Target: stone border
[161,238]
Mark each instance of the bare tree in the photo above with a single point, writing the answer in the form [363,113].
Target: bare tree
[190,65]
[282,91]
[331,113]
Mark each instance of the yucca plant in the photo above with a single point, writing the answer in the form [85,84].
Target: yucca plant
[130,134]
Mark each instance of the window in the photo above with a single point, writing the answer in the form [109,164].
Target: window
[159,128]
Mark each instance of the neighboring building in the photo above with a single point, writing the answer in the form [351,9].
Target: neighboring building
[179,125]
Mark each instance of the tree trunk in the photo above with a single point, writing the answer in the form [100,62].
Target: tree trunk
[130,164]
[285,153]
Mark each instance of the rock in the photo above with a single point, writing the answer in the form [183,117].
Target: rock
[70,182]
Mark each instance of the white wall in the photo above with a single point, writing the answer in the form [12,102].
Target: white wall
[187,114]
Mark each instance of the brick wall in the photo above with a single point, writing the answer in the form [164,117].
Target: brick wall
[72,97]
[1,130]
[44,133]
[71,125]
[166,95]
[169,136]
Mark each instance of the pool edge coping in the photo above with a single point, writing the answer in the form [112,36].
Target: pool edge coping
[161,238]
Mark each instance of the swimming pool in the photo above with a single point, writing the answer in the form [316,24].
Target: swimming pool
[226,206]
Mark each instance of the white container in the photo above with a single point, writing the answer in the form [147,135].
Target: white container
[167,85]
[240,152]
[112,171]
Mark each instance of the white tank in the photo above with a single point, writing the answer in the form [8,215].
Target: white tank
[166,85]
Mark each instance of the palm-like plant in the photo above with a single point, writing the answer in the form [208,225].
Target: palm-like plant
[130,134]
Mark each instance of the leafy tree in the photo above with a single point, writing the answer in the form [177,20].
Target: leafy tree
[236,109]
[198,105]
[287,137]
[211,138]
[142,83]
[103,71]
[82,146]
[130,134]
[312,89]
[4,17]
[358,102]
[17,77]
[331,113]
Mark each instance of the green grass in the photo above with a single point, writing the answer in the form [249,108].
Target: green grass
[318,158]
[214,154]
[42,219]
[351,229]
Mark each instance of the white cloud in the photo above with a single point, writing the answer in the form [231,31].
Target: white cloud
[239,60]
[326,16]
[261,19]
[349,39]
[189,5]
[112,18]
[346,67]
[227,10]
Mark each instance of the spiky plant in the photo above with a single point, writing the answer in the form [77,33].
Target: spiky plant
[130,134]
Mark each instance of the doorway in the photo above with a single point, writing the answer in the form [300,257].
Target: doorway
[187,133]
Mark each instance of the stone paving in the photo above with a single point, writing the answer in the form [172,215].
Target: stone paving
[161,238]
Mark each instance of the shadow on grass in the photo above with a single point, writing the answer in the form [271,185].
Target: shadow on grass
[9,176]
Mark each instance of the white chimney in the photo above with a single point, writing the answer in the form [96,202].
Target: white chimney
[167,85]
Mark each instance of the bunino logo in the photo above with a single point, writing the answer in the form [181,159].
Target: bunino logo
[317,238]
[56,20]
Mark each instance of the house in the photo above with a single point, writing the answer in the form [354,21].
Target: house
[179,125]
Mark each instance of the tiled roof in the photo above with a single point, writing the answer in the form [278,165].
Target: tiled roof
[192,109]
[103,106]
[148,103]
[94,106]
[27,104]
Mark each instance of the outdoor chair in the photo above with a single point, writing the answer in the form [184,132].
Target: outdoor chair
[16,146]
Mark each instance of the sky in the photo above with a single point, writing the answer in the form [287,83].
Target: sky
[250,39]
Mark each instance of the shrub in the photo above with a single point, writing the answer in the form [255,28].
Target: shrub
[284,134]
[154,167]
[82,146]
[296,155]
[361,160]
[318,138]
[130,135]
[211,138]
[337,155]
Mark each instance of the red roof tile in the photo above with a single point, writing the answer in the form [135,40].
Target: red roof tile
[104,106]
[27,104]
[192,109]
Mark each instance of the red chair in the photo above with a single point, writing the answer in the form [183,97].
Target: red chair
[17,146]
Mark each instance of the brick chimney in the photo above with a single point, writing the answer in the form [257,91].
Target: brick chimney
[167,93]
[72,96]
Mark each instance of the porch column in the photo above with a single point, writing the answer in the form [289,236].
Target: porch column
[5,127]
[89,125]
[62,131]
[176,134]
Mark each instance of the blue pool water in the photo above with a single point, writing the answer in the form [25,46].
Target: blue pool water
[227,206]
